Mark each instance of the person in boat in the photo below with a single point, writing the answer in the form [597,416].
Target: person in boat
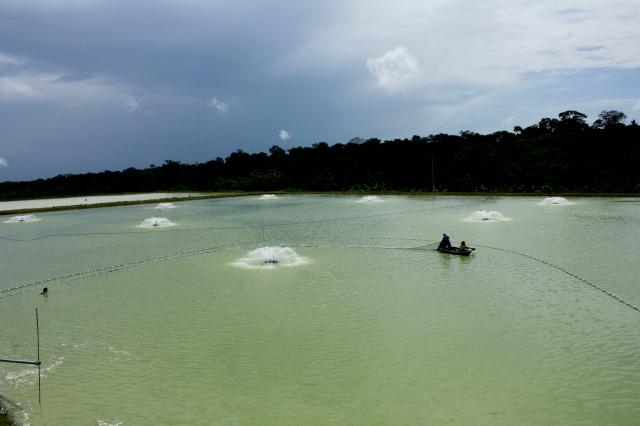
[463,246]
[445,243]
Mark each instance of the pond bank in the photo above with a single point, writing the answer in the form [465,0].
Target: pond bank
[90,202]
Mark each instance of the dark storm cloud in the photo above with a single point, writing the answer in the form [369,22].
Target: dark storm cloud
[108,84]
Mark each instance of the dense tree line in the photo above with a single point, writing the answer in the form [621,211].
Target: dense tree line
[563,154]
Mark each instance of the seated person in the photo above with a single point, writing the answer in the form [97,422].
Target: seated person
[463,246]
[445,243]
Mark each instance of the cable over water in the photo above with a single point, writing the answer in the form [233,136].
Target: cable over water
[111,268]
[90,234]
[596,286]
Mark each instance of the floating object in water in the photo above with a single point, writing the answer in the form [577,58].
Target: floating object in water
[268,197]
[271,257]
[486,216]
[23,218]
[156,222]
[165,206]
[370,199]
[456,251]
[555,201]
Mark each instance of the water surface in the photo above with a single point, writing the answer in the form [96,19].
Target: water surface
[357,321]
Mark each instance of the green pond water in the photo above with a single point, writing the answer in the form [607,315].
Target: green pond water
[183,321]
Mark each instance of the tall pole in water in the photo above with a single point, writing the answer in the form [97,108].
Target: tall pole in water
[28,362]
[38,338]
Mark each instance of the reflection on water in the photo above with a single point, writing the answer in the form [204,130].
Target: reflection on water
[204,320]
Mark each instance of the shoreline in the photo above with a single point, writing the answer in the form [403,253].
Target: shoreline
[204,196]
[112,203]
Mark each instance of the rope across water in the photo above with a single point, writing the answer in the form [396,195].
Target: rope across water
[596,286]
[195,252]
[111,268]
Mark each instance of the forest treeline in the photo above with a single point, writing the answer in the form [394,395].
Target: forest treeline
[564,154]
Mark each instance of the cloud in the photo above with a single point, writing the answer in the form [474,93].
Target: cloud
[130,104]
[16,88]
[3,162]
[395,68]
[636,107]
[220,106]
[62,89]
[6,59]
[284,135]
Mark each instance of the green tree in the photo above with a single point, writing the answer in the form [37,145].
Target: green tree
[609,120]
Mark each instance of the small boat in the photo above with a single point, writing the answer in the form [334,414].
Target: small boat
[455,250]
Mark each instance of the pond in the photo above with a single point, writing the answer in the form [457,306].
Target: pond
[318,309]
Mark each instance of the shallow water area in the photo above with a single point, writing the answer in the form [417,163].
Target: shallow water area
[321,310]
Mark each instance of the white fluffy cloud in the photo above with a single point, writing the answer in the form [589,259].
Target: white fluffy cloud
[3,162]
[636,107]
[284,135]
[395,69]
[216,103]
[498,41]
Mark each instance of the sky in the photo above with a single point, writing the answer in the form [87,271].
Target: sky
[93,85]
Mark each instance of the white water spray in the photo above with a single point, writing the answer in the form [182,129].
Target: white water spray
[555,201]
[23,218]
[268,197]
[156,222]
[271,257]
[486,216]
[370,199]
[163,206]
